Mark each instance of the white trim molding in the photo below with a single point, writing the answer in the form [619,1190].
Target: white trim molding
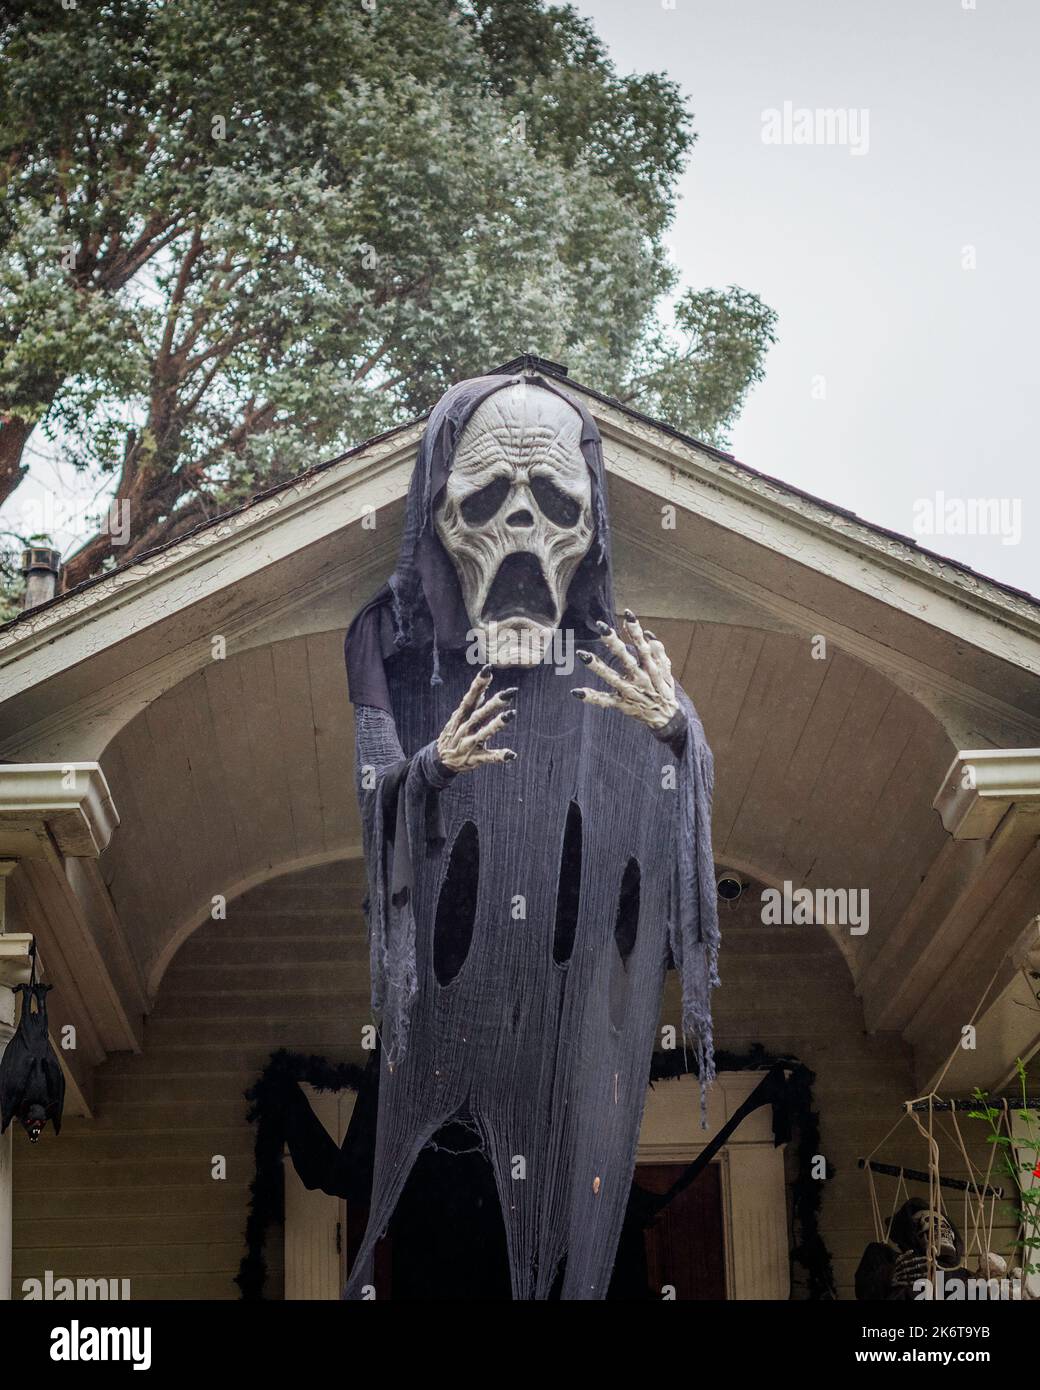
[70,802]
[982,785]
[967,946]
[15,965]
[1006,1031]
[15,968]
[53,815]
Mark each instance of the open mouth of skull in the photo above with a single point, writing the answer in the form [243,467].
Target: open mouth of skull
[519,590]
[516,512]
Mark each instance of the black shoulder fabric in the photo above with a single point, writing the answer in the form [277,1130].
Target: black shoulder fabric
[363,650]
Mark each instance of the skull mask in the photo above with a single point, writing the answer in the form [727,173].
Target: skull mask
[516,518]
[932,1228]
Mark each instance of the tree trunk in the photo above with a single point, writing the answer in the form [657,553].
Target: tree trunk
[86,560]
[14,435]
[154,523]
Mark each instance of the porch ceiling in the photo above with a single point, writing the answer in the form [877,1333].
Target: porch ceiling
[244,771]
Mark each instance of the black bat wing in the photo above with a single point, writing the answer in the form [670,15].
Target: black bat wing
[30,1072]
[16,1068]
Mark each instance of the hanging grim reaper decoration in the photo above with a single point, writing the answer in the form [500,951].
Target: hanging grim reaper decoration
[524,900]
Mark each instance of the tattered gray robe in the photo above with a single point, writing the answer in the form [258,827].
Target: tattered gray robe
[542,1042]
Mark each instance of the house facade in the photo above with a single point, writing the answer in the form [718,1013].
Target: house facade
[179,834]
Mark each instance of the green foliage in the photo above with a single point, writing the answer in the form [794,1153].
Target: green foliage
[12,586]
[632,132]
[702,368]
[237,237]
[1020,1170]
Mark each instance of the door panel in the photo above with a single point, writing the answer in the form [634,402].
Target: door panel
[685,1247]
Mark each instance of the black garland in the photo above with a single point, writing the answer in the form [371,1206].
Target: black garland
[267,1190]
[268,1105]
[809,1250]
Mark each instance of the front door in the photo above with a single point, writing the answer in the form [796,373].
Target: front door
[685,1254]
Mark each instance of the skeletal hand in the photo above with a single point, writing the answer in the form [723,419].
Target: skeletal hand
[909,1268]
[462,744]
[642,688]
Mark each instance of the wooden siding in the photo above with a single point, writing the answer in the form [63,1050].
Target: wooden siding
[129,1194]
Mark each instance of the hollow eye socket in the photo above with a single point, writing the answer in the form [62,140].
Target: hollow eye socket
[554,503]
[482,505]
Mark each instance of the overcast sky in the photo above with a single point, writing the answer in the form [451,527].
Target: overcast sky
[929,368]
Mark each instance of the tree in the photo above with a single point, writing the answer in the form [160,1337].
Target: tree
[712,353]
[240,236]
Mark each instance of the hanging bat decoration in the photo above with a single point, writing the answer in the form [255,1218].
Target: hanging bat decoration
[524,902]
[32,1083]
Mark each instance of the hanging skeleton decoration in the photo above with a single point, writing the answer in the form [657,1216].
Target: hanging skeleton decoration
[524,901]
[32,1084]
[897,1270]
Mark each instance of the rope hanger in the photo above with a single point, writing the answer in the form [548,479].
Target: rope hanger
[980,1197]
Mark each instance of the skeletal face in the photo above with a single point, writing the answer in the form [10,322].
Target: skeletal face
[516,518]
[933,1227]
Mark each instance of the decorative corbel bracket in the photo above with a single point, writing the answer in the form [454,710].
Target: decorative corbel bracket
[69,803]
[51,813]
[15,969]
[983,784]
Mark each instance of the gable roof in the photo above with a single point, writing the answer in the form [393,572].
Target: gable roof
[529,362]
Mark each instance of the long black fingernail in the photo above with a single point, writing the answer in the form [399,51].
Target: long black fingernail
[630,617]
[509,694]
[510,756]
[509,716]
[578,694]
[486,670]
[603,627]
[648,633]
[586,657]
